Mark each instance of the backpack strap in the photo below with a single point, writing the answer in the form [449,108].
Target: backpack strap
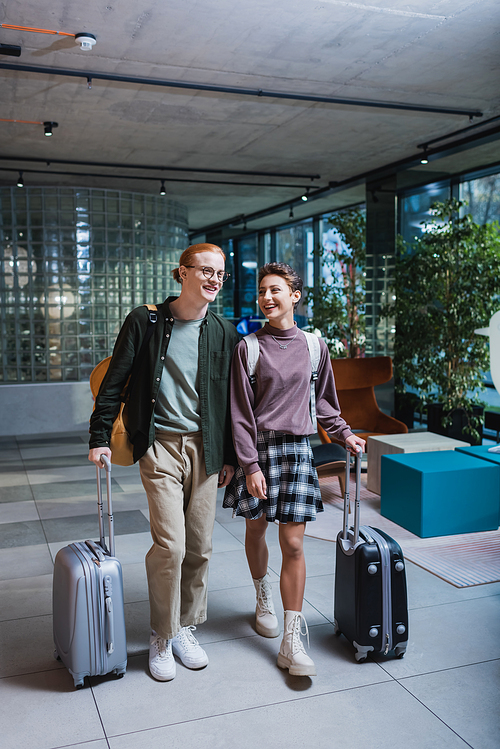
[100,369]
[314,353]
[252,356]
[152,319]
[153,312]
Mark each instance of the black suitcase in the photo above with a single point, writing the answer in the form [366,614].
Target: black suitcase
[88,613]
[370,601]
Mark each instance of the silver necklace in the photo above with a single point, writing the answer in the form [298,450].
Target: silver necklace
[284,345]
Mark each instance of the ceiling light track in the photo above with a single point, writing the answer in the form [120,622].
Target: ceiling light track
[463,130]
[150,179]
[41,70]
[114,165]
[379,173]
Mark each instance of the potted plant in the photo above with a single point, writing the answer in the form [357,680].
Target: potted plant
[337,301]
[447,284]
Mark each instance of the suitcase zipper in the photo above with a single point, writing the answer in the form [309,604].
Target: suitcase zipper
[105,610]
[385,563]
[93,600]
[110,622]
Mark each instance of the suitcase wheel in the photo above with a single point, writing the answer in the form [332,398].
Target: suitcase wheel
[56,655]
[79,684]
[336,628]
[399,652]
[360,657]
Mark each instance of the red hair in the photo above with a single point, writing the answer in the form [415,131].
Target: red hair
[189,253]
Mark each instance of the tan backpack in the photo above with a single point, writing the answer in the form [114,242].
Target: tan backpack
[122,450]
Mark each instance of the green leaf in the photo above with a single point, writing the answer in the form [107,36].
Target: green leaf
[338,307]
[447,284]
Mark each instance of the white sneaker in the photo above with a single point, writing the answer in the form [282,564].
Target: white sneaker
[187,648]
[161,660]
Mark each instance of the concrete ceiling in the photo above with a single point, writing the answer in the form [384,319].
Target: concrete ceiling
[431,53]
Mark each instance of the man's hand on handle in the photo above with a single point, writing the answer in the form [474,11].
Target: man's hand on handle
[95,455]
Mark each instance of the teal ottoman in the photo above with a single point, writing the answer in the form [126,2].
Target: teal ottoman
[440,493]
[481,451]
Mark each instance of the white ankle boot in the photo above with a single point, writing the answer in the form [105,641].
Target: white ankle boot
[292,654]
[266,621]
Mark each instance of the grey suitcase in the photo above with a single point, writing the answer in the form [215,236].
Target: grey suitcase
[87,602]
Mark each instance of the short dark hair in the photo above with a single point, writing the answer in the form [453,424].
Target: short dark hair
[284,270]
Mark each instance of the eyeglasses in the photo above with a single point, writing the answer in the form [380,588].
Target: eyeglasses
[209,272]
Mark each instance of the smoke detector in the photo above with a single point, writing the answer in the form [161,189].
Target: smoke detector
[86,41]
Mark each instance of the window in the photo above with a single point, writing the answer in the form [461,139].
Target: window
[295,245]
[73,263]
[483,198]
[415,209]
[245,301]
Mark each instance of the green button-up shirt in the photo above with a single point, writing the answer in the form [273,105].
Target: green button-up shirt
[218,337]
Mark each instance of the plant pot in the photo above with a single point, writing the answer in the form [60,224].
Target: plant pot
[405,405]
[455,430]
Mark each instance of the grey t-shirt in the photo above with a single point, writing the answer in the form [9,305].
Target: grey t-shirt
[178,403]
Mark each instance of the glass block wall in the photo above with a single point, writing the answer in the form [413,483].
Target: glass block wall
[73,263]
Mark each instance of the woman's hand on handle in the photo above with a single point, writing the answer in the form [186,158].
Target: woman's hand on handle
[353,443]
[95,455]
[256,485]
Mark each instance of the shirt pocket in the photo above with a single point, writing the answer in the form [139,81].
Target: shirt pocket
[220,362]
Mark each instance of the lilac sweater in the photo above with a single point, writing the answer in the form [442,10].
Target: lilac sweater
[279,400]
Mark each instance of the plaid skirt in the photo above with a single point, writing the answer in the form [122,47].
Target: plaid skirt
[293,493]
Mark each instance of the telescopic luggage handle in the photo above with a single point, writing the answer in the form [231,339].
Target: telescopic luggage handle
[345,532]
[111,531]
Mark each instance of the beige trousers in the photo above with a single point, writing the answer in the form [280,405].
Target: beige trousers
[181,501]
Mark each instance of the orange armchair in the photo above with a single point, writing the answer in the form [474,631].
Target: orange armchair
[330,461]
[355,380]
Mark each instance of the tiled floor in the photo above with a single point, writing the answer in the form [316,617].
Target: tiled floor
[444,693]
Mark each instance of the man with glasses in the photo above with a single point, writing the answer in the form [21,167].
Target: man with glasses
[178,420]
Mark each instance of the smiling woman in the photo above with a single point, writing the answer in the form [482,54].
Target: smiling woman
[276,479]
[280,290]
